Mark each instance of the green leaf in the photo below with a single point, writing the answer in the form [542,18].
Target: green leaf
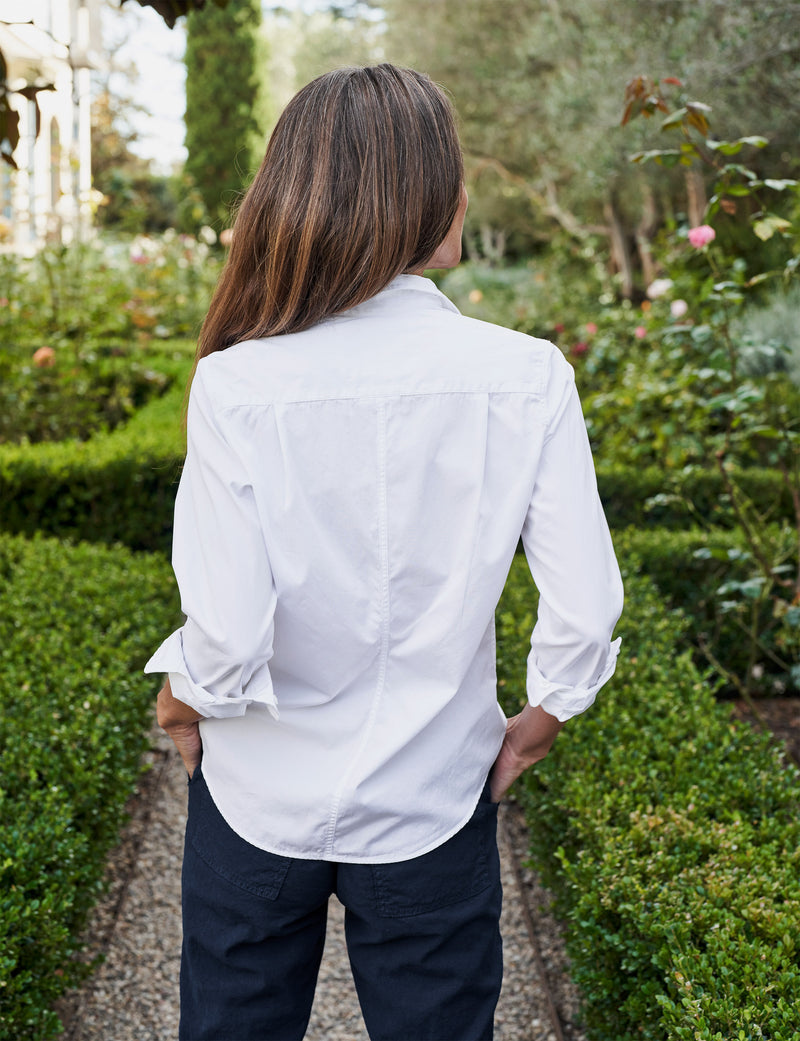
[738,190]
[768,226]
[725,147]
[780,186]
[665,157]
[675,119]
[743,171]
[764,276]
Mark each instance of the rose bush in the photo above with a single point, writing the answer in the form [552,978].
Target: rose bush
[79,326]
[738,415]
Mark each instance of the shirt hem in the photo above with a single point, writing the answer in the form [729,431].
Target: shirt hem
[336,857]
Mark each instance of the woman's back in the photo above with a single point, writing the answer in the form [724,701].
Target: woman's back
[381,467]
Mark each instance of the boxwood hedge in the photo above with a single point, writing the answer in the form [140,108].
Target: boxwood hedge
[649,496]
[76,625]
[691,567]
[671,837]
[120,487]
[117,487]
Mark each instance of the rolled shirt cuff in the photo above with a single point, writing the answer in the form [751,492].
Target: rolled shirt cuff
[169,658]
[561,700]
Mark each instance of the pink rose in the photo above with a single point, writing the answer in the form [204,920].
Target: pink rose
[591,328]
[558,327]
[580,348]
[640,332]
[701,235]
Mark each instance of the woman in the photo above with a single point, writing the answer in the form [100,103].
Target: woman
[362,461]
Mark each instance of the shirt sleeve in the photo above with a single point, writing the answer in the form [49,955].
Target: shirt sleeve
[569,551]
[218,661]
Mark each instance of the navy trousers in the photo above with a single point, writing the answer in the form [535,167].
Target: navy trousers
[423,935]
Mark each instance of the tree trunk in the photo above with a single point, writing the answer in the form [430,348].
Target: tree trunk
[696,197]
[620,254]
[645,230]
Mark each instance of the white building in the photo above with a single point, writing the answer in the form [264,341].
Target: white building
[48,196]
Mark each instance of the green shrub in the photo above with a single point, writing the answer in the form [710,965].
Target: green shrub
[709,576]
[116,487]
[646,496]
[120,487]
[671,837]
[76,626]
[107,290]
[67,397]
[79,326]
[769,333]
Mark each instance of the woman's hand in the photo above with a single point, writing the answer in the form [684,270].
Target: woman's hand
[529,737]
[180,722]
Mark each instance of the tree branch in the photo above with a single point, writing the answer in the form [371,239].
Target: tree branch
[547,202]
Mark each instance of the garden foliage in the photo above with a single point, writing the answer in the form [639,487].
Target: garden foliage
[670,834]
[671,837]
[76,626]
[117,487]
[81,329]
[226,109]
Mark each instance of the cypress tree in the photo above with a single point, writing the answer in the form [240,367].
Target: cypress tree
[224,101]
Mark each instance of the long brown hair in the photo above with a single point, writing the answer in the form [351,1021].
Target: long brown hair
[360,182]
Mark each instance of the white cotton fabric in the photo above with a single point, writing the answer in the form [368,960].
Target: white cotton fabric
[351,502]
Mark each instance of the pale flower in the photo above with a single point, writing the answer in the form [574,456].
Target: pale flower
[640,332]
[475,296]
[591,328]
[658,287]
[207,235]
[678,308]
[701,236]
[226,236]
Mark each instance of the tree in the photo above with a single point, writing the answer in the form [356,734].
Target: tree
[539,86]
[225,102]
[171,10]
[134,198]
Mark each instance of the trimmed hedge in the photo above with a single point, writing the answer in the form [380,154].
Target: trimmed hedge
[120,487]
[649,496]
[689,567]
[76,626]
[117,487]
[671,837]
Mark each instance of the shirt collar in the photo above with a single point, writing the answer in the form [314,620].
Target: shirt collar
[418,284]
[423,289]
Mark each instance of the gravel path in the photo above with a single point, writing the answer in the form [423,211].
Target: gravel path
[133,995]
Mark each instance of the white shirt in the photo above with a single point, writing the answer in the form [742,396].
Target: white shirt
[350,505]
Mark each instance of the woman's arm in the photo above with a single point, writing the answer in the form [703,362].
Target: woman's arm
[572,561]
